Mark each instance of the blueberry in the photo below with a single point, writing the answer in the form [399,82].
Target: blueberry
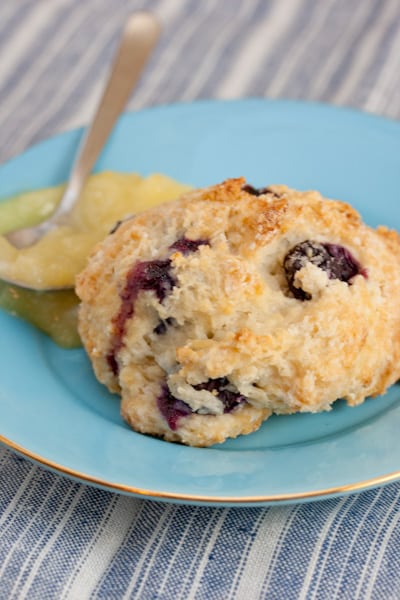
[343,265]
[151,275]
[221,386]
[258,191]
[335,260]
[172,408]
[185,246]
[111,359]
[163,325]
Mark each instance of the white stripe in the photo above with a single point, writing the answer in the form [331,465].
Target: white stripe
[259,43]
[20,43]
[340,50]
[250,574]
[286,522]
[38,67]
[13,508]
[168,11]
[383,546]
[112,530]
[65,507]
[291,61]
[146,561]
[172,54]
[379,93]
[67,86]
[206,553]
[365,53]
[392,107]
[206,67]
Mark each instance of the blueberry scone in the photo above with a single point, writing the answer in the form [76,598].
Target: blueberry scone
[208,313]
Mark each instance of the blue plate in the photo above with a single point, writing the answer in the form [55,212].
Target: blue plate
[53,410]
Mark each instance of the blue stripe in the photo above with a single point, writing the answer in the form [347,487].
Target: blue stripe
[16,541]
[225,557]
[12,23]
[39,46]
[284,47]
[46,87]
[192,551]
[387,582]
[371,74]
[14,470]
[345,65]
[372,536]
[170,84]
[102,60]
[76,536]
[67,61]
[118,575]
[161,558]
[230,53]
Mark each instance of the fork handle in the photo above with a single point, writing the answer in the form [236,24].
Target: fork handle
[138,40]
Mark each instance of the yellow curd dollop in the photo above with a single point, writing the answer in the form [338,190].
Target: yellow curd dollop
[57,258]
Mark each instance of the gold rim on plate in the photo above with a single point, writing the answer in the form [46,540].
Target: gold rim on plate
[127,489]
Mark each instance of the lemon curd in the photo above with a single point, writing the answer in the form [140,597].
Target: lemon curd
[57,258]
[54,313]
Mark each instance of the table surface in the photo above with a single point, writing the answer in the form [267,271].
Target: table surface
[60,539]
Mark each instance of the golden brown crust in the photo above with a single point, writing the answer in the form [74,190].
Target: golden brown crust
[234,315]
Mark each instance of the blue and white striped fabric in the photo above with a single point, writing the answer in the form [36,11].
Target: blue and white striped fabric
[64,540]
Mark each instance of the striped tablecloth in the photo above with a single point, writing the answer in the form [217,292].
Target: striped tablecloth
[60,539]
